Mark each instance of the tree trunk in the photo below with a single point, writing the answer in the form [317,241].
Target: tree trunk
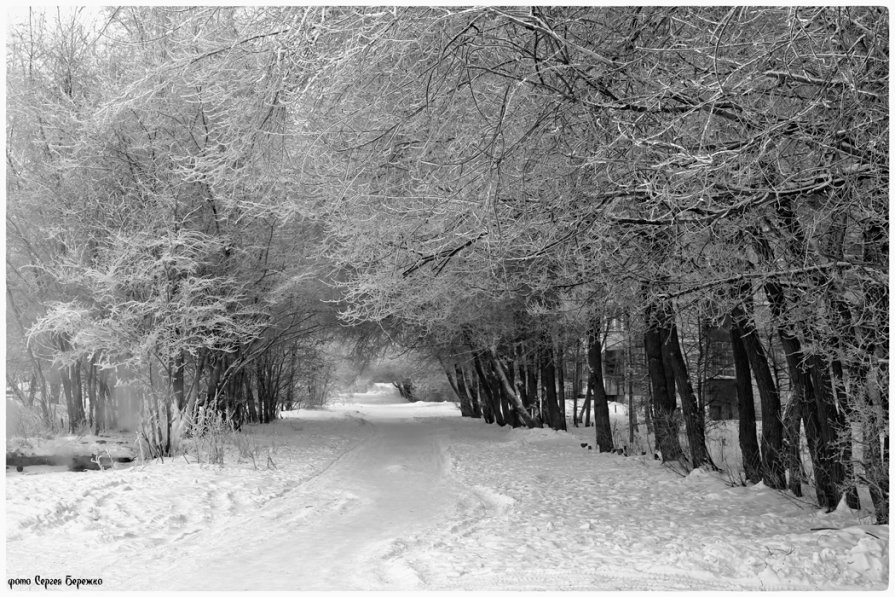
[826,489]
[548,383]
[792,423]
[90,396]
[520,385]
[576,382]
[468,386]
[531,381]
[843,404]
[629,381]
[76,411]
[773,473]
[109,419]
[466,404]
[876,379]
[821,437]
[559,349]
[178,382]
[511,414]
[834,430]
[694,419]
[602,426]
[501,401]
[490,407]
[664,404]
[746,406]
[521,412]
[465,408]
[588,400]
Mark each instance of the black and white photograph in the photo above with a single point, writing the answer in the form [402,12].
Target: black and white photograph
[475,298]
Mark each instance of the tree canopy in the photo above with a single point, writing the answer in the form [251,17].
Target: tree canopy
[206,196]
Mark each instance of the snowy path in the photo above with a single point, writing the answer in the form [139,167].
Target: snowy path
[339,529]
[387,495]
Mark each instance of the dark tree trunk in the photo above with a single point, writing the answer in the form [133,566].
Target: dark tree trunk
[520,384]
[76,412]
[112,409]
[820,435]
[519,411]
[253,411]
[629,381]
[576,382]
[826,489]
[531,382]
[484,400]
[877,462]
[843,405]
[561,381]
[502,402]
[99,416]
[588,400]
[468,387]
[834,430]
[499,389]
[178,382]
[694,418]
[792,423]
[548,383]
[457,385]
[214,378]
[490,405]
[90,387]
[771,418]
[71,385]
[876,348]
[746,406]
[664,404]
[602,426]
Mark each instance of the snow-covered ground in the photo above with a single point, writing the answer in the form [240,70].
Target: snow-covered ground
[376,493]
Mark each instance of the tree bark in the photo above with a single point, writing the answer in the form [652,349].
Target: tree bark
[491,407]
[746,406]
[792,422]
[588,400]
[531,381]
[468,383]
[876,378]
[773,473]
[664,404]
[694,419]
[602,426]
[519,407]
[576,382]
[178,381]
[548,383]
[826,489]
[629,380]
[465,410]
[559,349]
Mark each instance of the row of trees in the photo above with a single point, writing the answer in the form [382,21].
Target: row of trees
[488,186]
[148,246]
[512,177]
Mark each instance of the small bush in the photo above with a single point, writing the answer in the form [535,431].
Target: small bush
[211,431]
